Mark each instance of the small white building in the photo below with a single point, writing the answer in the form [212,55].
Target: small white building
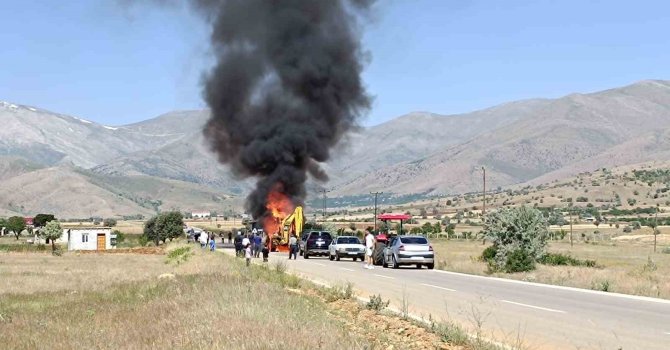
[201,214]
[88,238]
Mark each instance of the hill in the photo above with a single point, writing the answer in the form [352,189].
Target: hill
[554,136]
[529,141]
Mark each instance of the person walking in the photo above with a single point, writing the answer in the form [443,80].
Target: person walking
[369,248]
[257,245]
[230,237]
[247,253]
[212,242]
[238,245]
[266,250]
[293,247]
[203,239]
[246,241]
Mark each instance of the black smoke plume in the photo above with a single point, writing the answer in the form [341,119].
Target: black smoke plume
[285,88]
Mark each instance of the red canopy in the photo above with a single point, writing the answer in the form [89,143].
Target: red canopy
[394,217]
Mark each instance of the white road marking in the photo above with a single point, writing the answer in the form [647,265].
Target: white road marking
[668,333]
[389,277]
[438,287]
[320,264]
[534,307]
[346,269]
[572,289]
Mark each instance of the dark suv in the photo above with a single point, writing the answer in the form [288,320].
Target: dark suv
[315,243]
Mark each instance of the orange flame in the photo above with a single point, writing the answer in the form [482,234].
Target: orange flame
[279,206]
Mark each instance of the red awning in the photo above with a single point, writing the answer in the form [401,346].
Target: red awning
[394,217]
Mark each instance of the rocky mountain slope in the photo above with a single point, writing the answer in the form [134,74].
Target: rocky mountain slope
[564,135]
[421,152]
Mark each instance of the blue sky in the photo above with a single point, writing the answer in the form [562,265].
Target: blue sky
[105,62]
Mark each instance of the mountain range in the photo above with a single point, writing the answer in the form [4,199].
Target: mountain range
[51,162]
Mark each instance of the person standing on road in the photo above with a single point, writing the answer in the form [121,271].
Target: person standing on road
[293,247]
[369,248]
[230,237]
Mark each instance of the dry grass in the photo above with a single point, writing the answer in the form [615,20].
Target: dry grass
[626,267]
[117,301]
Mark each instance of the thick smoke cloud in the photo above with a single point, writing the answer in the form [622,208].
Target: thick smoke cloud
[285,88]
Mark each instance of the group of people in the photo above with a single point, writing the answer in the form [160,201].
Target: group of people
[251,245]
[205,238]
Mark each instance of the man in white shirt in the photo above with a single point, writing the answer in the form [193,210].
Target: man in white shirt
[245,241]
[369,248]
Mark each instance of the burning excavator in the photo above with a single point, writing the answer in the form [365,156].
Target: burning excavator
[284,220]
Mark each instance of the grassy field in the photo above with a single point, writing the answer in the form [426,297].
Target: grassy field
[209,301]
[624,267]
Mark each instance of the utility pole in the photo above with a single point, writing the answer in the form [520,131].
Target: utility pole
[655,227]
[376,194]
[324,203]
[484,201]
[570,211]
[484,194]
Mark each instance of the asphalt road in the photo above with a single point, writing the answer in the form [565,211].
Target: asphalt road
[541,316]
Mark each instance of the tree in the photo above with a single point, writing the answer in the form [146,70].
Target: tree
[164,226]
[41,220]
[426,228]
[52,231]
[170,225]
[3,224]
[437,228]
[519,236]
[16,224]
[150,231]
[109,222]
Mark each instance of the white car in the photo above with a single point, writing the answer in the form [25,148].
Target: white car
[346,247]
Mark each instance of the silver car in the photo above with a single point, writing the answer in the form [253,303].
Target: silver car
[409,250]
[346,247]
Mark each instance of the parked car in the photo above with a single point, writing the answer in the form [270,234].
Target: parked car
[316,243]
[409,250]
[346,247]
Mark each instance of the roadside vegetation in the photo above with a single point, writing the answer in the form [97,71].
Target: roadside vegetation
[207,300]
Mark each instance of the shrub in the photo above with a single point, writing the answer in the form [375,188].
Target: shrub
[627,229]
[109,222]
[377,303]
[557,259]
[489,254]
[336,293]
[603,286]
[179,255]
[519,236]
[120,236]
[143,240]
[519,260]
[666,250]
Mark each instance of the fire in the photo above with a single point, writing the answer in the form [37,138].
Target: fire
[279,206]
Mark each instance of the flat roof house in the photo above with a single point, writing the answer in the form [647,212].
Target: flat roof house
[201,214]
[88,238]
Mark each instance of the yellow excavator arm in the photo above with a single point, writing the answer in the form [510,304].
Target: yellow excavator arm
[292,224]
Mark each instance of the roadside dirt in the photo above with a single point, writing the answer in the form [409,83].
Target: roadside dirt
[382,330]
